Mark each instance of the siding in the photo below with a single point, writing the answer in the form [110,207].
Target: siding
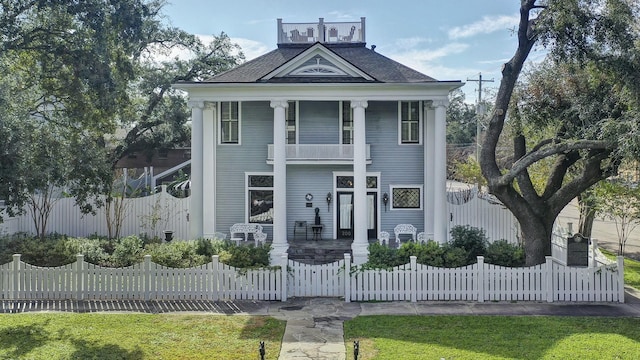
[397,164]
[318,124]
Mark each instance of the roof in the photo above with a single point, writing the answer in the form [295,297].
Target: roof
[380,68]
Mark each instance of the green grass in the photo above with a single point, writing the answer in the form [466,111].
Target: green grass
[493,337]
[53,336]
[631,269]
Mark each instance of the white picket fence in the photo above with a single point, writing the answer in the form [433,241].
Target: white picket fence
[479,282]
[150,214]
[485,282]
[144,281]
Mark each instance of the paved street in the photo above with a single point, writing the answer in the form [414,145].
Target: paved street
[604,231]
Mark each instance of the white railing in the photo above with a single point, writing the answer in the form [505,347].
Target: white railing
[321,31]
[319,153]
[479,282]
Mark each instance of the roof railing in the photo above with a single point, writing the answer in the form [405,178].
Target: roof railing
[323,32]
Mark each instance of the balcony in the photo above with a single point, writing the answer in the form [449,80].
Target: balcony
[335,154]
[324,32]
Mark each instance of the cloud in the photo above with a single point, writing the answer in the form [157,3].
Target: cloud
[251,48]
[487,25]
[428,55]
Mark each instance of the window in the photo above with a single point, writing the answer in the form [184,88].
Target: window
[346,182]
[292,122]
[347,123]
[229,122]
[410,115]
[406,197]
[260,198]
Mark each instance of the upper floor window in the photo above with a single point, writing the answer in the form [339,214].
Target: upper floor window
[229,122]
[292,122]
[410,124]
[347,123]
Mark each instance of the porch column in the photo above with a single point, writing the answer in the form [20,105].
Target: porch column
[360,238]
[279,244]
[440,217]
[429,155]
[195,213]
[209,130]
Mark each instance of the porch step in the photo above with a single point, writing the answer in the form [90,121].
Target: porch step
[316,256]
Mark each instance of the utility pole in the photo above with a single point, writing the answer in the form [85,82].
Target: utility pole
[479,112]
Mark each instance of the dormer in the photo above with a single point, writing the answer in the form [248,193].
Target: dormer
[322,32]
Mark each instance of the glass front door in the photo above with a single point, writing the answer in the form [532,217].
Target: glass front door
[345,215]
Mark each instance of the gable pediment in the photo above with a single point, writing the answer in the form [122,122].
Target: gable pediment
[317,61]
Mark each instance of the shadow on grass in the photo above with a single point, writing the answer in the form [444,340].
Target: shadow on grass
[499,336]
[17,341]
[23,341]
[88,350]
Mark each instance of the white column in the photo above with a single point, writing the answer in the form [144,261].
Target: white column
[429,165]
[440,172]
[209,188]
[279,244]
[195,213]
[360,238]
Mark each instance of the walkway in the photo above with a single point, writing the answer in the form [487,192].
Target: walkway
[314,325]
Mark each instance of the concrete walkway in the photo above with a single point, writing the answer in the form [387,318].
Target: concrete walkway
[314,325]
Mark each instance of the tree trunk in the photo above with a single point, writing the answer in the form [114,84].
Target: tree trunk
[536,236]
[587,216]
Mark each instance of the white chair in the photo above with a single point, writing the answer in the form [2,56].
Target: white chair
[405,229]
[383,238]
[422,238]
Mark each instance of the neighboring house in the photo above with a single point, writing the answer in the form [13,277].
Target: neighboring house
[157,167]
[320,122]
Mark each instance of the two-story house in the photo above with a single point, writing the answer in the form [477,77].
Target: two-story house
[321,125]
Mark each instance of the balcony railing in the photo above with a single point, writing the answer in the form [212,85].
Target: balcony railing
[318,153]
[324,32]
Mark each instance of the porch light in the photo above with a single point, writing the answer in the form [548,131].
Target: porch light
[329,201]
[385,200]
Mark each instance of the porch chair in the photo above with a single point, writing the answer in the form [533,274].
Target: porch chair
[422,238]
[383,238]
[405,229]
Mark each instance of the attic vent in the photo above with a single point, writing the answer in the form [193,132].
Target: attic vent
[317,69]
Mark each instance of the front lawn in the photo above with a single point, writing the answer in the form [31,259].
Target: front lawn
[631,269]
[493,337]
[53,336]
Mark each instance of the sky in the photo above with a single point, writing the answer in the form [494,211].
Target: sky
[445,39]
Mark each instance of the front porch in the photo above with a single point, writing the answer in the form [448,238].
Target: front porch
[324,251]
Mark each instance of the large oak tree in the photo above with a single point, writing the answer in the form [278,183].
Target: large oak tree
[599,40]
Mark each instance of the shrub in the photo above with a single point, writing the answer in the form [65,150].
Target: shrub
[246,256]
[176,254]
[455,256]
[92,250]
[471,239]
[382,257]
[503,253]
[128,251]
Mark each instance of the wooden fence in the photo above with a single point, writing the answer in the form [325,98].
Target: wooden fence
[149,215]
[480,282]
[495,219]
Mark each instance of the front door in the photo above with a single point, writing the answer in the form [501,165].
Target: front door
[345,215]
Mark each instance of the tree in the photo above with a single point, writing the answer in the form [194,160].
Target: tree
[595,38]
[66,66]
[619,202]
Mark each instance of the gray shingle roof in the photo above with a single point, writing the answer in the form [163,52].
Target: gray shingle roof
[379,67]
